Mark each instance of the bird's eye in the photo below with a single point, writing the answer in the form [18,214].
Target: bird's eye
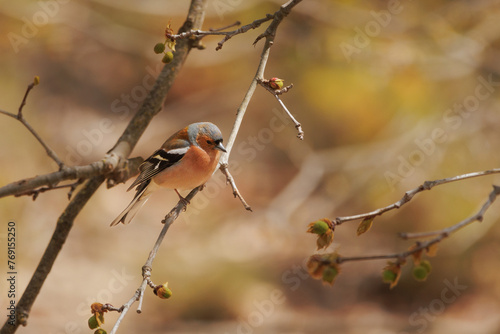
[209,142]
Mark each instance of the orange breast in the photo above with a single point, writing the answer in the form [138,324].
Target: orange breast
[193,170]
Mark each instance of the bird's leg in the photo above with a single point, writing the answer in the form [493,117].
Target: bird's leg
[183,200]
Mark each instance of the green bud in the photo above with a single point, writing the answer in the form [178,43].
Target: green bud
[389,276]
[276,83]
[93,324]
[167,58]
[100,331]
[163,291]
[159,48]
[420,273]
[320,227]
[329,274]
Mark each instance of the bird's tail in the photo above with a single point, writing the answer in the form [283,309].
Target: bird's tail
[130,211]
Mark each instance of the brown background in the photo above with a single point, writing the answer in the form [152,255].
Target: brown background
[237,272]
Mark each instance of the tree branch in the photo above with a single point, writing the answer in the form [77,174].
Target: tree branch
[61,232]
[229,178]
[408,196]
[114,159]
[174,213]
[36,192]
[228,34]
[440,234]
[276,92]
[259,75]
[20,118]
[150,107]
[148,266]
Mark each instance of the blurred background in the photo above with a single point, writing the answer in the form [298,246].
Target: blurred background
[389,94]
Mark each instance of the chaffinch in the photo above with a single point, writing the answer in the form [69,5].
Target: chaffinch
[185,161]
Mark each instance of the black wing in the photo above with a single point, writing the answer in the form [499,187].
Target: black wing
[159,161]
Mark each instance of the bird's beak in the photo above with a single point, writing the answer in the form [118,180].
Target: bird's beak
[220,147]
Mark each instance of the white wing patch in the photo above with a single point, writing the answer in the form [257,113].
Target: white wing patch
[179,151]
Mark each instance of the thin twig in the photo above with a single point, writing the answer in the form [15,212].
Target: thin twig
[227,34]
[35,192]
[255,24]
[408,196]
[148,266]
[276,93]
[259,75]
[20,118]
[109,307]
[229,179]
[235,24]
[440,235]
[124,309]
[270,32]
[278,16]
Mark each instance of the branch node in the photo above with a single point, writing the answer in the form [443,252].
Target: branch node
[229,179]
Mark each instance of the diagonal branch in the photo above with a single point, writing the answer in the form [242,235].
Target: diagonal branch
[34,193]
[270,32]
[229,178]
[150,107]
[259,75]
[20,118]
[278,16]
[215,32]
[276,93]
[148,266]
[408,196]
[61,232]
[174,213]
[440,235]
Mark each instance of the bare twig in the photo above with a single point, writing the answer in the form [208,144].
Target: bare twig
[229,179]
[228,34]
[255,24]
[51,180]
[148,266]
[109,307]
[259,75]
[278,16]
[235,24]
[265,83]
[270,32]
[20,118]
[440,235]
[34,193]
[427,185]
[63,227]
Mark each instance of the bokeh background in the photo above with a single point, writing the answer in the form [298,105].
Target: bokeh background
[389,93]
